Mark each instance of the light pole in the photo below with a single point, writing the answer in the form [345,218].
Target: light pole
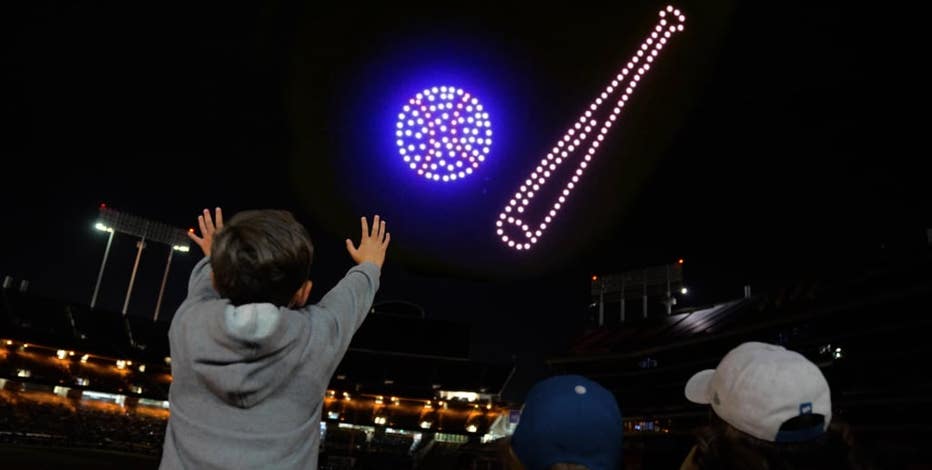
[132,277]
[168,264]
[103,263]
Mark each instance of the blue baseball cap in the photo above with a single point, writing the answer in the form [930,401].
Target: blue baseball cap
[569,419]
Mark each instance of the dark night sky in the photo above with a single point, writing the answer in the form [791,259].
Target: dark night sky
[770,142]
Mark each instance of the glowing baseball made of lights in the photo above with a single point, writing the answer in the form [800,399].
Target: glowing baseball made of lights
[443,133]
[586,131]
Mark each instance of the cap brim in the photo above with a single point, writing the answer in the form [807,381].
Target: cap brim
[697,389]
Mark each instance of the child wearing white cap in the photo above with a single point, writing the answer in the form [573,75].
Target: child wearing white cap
[772,410]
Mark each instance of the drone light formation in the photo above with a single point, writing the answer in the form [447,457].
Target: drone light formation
[515,226]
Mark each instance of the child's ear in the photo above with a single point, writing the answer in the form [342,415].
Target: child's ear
[300,297]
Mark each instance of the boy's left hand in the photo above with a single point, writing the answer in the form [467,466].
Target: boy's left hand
[208,228]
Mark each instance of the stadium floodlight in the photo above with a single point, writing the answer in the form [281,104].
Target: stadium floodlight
[112,221]
[103,263]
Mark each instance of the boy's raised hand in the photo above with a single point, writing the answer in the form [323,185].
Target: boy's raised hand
[372,245]
[209,226]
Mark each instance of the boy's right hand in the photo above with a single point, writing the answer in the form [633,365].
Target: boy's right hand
[208,227]
[372,245]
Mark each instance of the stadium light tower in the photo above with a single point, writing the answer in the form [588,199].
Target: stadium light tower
[168,265]
[147,231]
[103,262]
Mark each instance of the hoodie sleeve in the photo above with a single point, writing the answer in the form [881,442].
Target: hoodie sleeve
[201,286]
[342,310]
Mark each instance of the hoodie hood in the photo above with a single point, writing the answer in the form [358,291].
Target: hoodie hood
[252,361]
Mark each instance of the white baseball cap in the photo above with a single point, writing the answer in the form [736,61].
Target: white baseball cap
[757,387]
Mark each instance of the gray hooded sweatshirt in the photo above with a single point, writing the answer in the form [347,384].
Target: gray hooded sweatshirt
[248,382]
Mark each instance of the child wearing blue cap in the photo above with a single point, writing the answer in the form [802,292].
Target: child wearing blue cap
[569,422]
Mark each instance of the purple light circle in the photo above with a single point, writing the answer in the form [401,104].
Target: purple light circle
[443,134]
